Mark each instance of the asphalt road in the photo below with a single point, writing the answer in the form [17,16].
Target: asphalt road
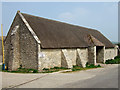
[106,77]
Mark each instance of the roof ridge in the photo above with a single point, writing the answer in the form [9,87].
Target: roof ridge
[29,27]
[61,22]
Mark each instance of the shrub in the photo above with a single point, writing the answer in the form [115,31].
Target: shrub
[46,69]
[35,71]
[98,65]
[113,61]
[56,67]
[90,66]
[87,64]
[117,57]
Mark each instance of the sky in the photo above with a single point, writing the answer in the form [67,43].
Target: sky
[102,16]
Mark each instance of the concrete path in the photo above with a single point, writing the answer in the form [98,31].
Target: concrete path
[99,78]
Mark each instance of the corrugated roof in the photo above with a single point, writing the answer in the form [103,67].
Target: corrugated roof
[55,34]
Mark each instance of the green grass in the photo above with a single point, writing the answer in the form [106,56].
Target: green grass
[23,70]
[116,60]
[51,70]
[45,70]
[113,61]
[55,69]
[78,68]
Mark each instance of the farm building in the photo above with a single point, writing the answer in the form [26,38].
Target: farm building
[35,42]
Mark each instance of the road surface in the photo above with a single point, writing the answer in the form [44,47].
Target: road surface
[106,77]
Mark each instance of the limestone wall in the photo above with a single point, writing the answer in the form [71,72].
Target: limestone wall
[92,55]
[110,53]
[28,48]
[49,58]
[15,48]
[20,47]
[10,45]
[82,57]
[69,57]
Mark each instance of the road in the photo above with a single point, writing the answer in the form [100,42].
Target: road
[103,79]
[106,77]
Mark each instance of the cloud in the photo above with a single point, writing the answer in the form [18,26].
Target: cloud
[67,16]
[73,15]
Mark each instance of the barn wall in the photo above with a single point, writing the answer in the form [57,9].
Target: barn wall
[11,46]
[92,55]
[110,53]
[82,57]
[69,57]
[20,48]
[15,48]
[49,58]
[28,48]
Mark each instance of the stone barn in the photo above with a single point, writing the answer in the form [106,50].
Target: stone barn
[35,42]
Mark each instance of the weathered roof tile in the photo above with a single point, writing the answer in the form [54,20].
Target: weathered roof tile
[55,34]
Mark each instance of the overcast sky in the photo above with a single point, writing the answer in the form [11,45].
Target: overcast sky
[102,16]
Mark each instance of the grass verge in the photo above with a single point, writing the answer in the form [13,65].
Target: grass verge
[45,70]
[78,68]
[22,70]
[55,69]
